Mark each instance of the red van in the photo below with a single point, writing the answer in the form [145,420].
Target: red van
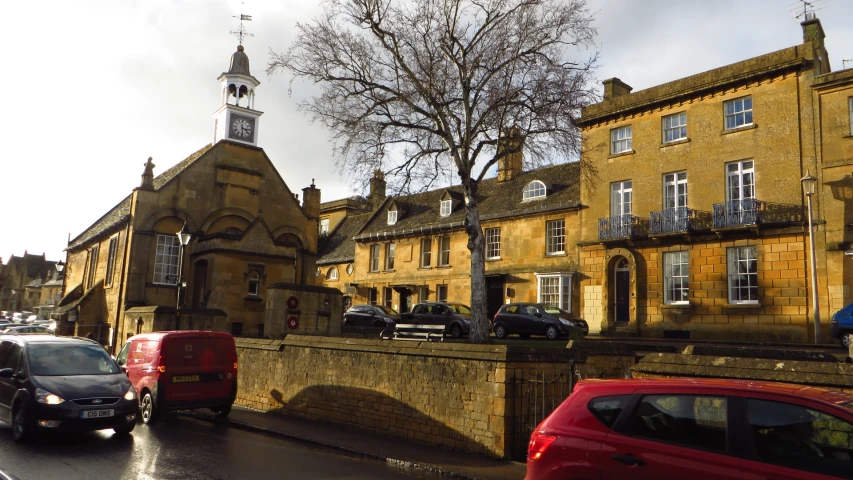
[181,369]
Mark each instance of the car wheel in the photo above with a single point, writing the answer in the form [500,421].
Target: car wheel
[524,335]
[552,333]
[22,428]
[500,331]
[847,339]
[125,430]
[222,411]
[149,413]
[456,330]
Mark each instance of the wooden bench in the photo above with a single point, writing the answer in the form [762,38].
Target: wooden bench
[418,333]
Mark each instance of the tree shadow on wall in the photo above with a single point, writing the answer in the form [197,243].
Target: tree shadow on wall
[375,423]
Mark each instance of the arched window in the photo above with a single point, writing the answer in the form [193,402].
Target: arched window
[534,189]
[254,283]
[332,274]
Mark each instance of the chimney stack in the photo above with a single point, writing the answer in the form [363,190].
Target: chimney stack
[510,165]
[311,201]
[148,176]
[813,33]
[377,190]
[613,87]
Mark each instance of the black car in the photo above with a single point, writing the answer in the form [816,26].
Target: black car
[456,317]
[528,319]
[52,383]
[578,323]
[371,315]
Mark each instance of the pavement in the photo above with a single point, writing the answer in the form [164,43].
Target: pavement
[392,450]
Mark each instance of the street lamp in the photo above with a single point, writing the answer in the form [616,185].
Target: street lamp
[183,239]
[809,184]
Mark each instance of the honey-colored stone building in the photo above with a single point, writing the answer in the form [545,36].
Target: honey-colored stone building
[129,273]
[697,227]
[413,248]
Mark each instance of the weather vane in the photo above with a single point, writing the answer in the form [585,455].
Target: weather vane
[241,32]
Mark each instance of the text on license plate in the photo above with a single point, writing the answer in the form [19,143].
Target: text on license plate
[97,413]
[184,378]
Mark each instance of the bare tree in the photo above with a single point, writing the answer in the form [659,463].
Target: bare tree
[417,88]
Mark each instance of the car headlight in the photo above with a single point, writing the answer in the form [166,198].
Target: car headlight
[131,393]
[43,396]
[567,322]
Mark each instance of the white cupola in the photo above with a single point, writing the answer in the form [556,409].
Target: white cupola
[236,119]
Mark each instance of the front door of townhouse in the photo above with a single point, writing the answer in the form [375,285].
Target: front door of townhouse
[494,294]
[621,289]
[405,300]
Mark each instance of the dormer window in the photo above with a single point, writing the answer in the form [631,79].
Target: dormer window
[446,207]
[392,217]
[533,190]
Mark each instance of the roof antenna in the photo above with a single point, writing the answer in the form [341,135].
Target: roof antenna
[809,8]
[844,62]
[241,32]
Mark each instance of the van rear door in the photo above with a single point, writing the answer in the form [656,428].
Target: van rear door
[198,366]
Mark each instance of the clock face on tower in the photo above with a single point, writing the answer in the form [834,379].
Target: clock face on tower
[241,128]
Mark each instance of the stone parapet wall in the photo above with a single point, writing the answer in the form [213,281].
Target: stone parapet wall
[836,376]
[447,394]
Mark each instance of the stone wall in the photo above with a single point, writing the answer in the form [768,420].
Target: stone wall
[447,394]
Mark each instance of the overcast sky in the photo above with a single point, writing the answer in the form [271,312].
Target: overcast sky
[92,88]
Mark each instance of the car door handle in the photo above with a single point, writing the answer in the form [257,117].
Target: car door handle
[628,459]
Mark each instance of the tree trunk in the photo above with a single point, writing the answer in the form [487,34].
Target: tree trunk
[476,245]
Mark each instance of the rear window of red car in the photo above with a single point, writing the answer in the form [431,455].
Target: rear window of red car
[608,409]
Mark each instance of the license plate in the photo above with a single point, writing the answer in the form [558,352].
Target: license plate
[184,378]
[97,413]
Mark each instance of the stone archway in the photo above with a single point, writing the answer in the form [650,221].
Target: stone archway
[619,292]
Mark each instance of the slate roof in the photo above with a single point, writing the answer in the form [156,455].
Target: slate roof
[420,212]
[339,246]
[119,214]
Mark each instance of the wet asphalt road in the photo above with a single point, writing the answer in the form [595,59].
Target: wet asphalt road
[181,448]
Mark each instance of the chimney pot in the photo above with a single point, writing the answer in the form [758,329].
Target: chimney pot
[613,87]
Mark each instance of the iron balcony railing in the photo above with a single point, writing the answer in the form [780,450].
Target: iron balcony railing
[670,220]
[621,227]
[737,213]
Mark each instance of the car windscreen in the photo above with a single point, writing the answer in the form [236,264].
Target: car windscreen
[386,310]
[460,309]
[60,360]
[555,311]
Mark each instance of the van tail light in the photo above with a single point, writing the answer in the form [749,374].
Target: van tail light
[161,368]
[538,444]
[235,365]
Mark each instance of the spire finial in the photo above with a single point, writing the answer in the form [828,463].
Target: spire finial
[241,32]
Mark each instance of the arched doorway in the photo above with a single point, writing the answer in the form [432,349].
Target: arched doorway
[621,303]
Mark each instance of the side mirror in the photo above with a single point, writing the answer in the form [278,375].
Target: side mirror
[7,373]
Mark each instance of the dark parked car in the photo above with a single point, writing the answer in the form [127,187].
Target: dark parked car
[841,327]
[528,319]
[29,329]
[578,323]
[52,383]
[456,317]
[699,429]
[371,315]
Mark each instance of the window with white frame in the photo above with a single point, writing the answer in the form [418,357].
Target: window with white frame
[743,274]
[555,237]
[111,261]
[620,140]
[444,251]
[555,289]
[372,293]
[675,278]
[740,181]
[533,190]
[675,190]
[332,274]
[426,252]
[621,198]
[254,283]
[445,207]
[493,243]
[389,256]
[166,260]
[374,258]
[324,225]
[738,112]
[392,217]
[675,127]
[423,294]
[441,292]
[388,295]
[93,265]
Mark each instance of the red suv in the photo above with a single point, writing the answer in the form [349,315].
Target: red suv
[697,429]
[181,369]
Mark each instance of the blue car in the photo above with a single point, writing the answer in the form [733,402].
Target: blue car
[842,325]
